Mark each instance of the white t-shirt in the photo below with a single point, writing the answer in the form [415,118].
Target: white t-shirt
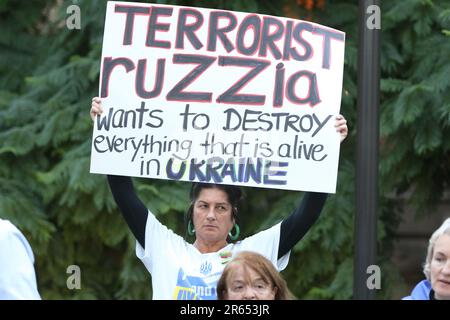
[180,272]
[17,276]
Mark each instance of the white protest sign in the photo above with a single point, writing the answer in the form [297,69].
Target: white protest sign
[218,96]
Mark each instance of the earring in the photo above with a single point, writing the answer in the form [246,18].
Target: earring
[191,229]
[236,235]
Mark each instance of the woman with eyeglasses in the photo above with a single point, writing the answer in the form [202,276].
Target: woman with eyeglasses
[250,276]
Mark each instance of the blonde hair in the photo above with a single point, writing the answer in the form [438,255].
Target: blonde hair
[260,265]
[443,229]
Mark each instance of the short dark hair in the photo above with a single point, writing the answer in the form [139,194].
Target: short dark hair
[234,194]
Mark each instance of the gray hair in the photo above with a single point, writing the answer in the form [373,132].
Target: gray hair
[443,229]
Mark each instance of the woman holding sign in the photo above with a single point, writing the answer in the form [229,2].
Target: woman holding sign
[181,270]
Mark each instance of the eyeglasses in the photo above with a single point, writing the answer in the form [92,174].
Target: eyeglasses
[260,287]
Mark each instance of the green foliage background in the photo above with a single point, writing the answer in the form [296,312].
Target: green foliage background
[48,75]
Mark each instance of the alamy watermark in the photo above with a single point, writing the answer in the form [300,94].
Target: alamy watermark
[73,21]
[74,280]
[374,280]
[373,15]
